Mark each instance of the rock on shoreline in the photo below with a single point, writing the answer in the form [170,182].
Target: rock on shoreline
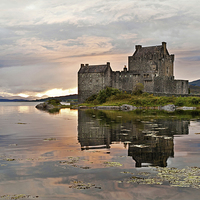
[47,106]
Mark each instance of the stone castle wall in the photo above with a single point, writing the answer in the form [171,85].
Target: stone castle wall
[92,83]
[125,81]
[170,86]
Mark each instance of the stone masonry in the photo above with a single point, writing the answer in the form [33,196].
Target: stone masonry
[152,66]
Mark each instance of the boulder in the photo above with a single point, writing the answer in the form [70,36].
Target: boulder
[186,108]
[168,108]
[46,106]
[107,107]
[127,107]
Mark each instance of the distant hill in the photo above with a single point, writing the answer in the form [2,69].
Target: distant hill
[72,97]
[13,100]
[195,83]
[194,87]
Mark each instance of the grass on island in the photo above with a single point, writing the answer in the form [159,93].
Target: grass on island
[115,97]
[57,105]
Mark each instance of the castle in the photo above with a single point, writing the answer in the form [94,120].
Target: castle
[152,66]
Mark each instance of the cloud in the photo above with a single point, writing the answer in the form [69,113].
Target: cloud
[42,43]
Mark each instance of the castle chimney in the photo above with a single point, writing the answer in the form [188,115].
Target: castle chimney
[137,47]
[172,57]
[164,45]
[82,65]
[108,64]
[125,69]
[86,65]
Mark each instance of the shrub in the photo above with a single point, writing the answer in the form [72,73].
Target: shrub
[91,98]
[54,102]
[138,89]
[104,94]
[95,102]
[120,96]
[180,101]
[136,101]
[194,100]
[171,99]
[162,100]
[145,94]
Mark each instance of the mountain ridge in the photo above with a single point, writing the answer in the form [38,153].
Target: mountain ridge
[194,87]
[195,83]
[71,97]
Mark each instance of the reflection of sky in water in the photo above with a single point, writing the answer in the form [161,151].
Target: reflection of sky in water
[46,168]
[69,112]
[24,109]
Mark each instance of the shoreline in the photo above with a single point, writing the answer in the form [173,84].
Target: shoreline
[126,107]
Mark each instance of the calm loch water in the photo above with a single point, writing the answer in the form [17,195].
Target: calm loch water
[92,154]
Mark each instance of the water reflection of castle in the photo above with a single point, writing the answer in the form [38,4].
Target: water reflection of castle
[149,142]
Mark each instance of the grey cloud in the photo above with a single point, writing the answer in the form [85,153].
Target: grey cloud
[49,48]
[43,50]
[192,58]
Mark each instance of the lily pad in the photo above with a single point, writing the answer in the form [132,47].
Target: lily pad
[80,185]
[10,159]
[85,167]
[49,139]
[186,177]
[18,196]
[113,164]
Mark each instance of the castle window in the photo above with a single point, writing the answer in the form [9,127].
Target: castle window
[154,67]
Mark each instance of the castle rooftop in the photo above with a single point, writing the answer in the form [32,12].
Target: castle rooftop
[93,68]
[140,50]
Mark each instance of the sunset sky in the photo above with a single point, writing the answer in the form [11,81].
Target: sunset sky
[43,42]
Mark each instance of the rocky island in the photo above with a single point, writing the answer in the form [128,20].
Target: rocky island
[52,106]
